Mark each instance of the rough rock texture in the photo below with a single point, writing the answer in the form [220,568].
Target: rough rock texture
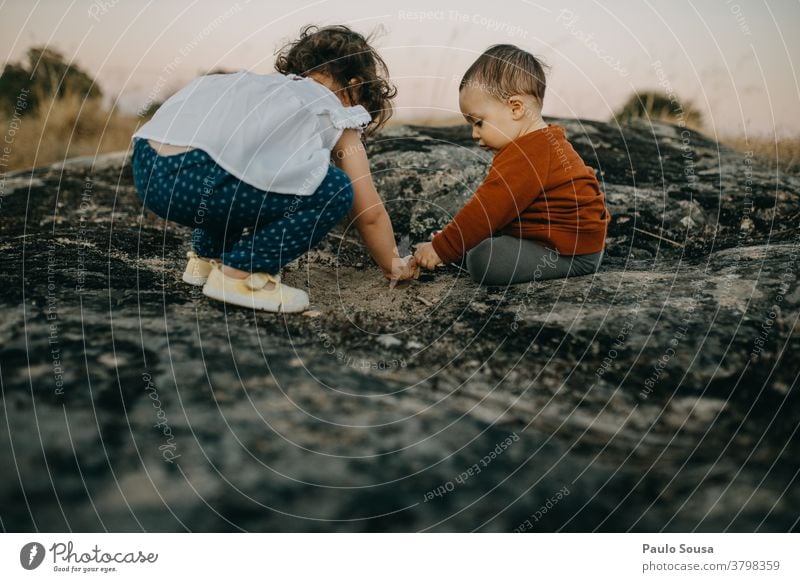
[659,394]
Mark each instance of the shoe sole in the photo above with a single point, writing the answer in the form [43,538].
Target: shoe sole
[193,280]
[277,308]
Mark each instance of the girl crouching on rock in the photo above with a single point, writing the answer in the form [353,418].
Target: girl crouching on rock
[245,160]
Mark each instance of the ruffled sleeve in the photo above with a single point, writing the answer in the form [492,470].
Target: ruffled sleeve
[355,117]
[321,101]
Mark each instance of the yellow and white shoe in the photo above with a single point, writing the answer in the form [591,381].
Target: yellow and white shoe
[197,270]
[257,291]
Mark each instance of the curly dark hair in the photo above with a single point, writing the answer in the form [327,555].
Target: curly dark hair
[342,54]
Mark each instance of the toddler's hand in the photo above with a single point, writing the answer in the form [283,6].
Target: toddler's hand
[402,269]
[426,256]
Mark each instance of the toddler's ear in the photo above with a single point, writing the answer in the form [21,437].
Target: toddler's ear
[517,105]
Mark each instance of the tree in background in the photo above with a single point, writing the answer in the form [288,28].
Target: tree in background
[45,75]
[62,115]
[658,106]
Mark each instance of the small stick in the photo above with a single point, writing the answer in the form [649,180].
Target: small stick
[672,242]
[344,239]
[424,301]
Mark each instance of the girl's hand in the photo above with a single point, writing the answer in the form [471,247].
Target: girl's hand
[426,256]
[402,270]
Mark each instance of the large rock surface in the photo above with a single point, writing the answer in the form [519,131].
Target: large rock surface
[659,394]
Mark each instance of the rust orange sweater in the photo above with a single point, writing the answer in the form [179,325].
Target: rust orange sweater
[539,188]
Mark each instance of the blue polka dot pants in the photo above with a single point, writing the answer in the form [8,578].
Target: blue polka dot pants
[250,229]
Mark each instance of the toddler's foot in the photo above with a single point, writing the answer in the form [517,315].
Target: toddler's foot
[256,291]
[197,270]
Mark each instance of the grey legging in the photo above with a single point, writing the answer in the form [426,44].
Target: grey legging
[504,260]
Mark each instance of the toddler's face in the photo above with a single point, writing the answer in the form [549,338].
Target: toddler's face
[492,120]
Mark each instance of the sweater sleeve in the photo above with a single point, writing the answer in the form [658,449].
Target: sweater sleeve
[515,179]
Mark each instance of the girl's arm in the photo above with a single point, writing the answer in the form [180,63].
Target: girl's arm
[368,213]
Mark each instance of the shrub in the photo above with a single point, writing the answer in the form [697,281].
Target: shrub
[659,107]
[45,75]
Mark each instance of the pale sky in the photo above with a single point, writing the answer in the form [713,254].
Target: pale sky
[735,59]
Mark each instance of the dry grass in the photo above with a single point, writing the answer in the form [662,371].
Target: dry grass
[783,153]
[66,128]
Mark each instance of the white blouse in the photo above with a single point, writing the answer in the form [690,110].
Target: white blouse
[275,131]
